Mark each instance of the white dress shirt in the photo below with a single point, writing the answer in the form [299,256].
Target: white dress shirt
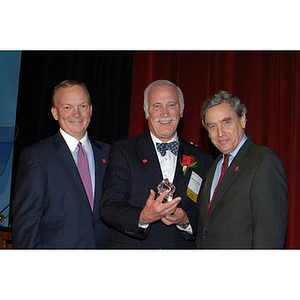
[167,162]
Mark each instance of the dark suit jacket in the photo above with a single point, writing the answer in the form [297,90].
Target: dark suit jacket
[50,206]
[250,206]
[132,171]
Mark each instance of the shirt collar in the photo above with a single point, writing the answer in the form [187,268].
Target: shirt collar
[241,143]
[72,142]
[156,140]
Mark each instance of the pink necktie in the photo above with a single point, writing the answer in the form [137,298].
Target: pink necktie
[223,171]
[83,168]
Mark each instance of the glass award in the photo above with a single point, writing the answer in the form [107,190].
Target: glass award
[166,185]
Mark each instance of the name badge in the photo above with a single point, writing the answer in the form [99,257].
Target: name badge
[194,186]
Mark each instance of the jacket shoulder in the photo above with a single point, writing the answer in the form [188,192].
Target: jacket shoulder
[101,145]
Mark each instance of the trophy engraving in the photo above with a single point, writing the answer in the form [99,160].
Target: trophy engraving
[166,185]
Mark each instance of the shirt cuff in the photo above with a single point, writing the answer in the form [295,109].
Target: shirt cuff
[187,229]
[145,226]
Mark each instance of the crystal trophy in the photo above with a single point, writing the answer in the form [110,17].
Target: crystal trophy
[166,185]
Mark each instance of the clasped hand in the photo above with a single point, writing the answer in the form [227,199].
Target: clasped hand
[156,209]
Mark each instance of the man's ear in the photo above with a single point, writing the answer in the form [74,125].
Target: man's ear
[243,121]
[146,115]
[54,113]
[182,110]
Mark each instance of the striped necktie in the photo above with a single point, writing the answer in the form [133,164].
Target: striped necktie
[83,168]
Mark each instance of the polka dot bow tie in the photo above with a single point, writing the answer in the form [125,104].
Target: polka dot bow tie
[163,147]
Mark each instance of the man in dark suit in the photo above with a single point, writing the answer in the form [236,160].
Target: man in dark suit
[130,206]
[247,209]
[51,209]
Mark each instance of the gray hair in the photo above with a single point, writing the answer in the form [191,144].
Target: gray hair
[223,96]
[162,82]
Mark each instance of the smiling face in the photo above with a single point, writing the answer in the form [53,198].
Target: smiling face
[225,128]
[164,111]
[73,110]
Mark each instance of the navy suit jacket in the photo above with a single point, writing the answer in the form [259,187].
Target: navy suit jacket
[50,206]
[132,171]
[250,207]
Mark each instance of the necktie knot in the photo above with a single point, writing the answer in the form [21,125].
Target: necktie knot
[226,156]
[163,147]
[225,162]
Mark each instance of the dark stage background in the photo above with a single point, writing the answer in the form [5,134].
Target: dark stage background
[107,75]
[267,81]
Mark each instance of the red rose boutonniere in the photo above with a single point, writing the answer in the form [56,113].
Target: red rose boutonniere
[188,161]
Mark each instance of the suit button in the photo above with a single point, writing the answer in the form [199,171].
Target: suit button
[94,223]
[205,233]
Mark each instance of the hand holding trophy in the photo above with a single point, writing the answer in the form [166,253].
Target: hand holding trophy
[166,185]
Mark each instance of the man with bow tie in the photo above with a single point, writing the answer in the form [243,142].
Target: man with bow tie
[136,211]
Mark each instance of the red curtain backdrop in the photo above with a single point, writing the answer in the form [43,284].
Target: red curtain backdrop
[267,81]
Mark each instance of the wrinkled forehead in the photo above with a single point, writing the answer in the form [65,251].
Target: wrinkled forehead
[163,93]
[220,111]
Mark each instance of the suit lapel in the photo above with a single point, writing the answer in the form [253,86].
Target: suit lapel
[180,180]
[100,165]
[207,186]
[64,156]
[147,154]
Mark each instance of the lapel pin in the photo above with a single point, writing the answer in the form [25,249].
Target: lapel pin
[236,168]
[104,160]
[144,160]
